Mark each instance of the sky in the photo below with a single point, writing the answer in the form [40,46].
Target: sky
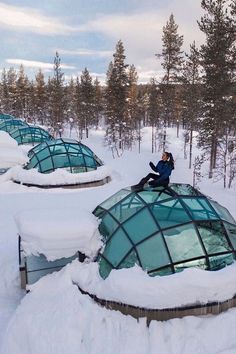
[85,33]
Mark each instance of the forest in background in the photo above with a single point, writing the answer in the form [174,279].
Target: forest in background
[197,92]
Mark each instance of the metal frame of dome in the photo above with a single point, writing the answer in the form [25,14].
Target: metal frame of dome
[62,153]
[30,135]
[8,125]
[165,230]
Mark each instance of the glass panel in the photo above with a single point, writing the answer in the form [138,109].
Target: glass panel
[183,243]
[89,161]
[61,161]
[200,209]
[184,189]
[127,207]
[231,230]
[222,212]
[170,213]
[140,225]
[77,160]
[104,268]
[108,225]
[77,169]
[150,196]
[117,247]
[153,253]
[99,212]
[129,261]
[42,154]
[46,165]
[107,204]
[197,263]
[213,236]
[162,272]
[218,262]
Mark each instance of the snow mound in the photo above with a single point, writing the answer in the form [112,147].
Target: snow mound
[58,233]
[57,177]
[10,153]
[135,287]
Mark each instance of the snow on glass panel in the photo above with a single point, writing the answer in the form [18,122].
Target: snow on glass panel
[183,243]
[213,236]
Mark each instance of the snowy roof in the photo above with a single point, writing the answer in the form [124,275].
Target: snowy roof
[58,233]
[59,177]
[10,153]
[30,135]
[62,153]
[165,230]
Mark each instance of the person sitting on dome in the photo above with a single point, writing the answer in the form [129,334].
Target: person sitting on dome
[163,171]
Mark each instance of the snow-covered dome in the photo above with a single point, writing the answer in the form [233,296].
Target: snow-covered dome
[9,124]
[165,230]
[30,135]
[62,153]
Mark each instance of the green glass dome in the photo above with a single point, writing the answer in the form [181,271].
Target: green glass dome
[30,135]
[4,116]
[70,154]
[8,125]
[165,230]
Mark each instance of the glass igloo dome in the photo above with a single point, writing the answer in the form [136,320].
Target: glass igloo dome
[30,135]
[62,153]
[8,125]
[165,230]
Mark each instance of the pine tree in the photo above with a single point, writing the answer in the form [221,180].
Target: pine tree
[40,98]
[87,96]
[116,95]
[12,98]
[131,112]
[98,101]
[4,93]
[57,101]
[191,94]
[216,56]
[172,59]
[153,110]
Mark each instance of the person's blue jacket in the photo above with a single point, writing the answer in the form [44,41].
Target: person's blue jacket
[164,169]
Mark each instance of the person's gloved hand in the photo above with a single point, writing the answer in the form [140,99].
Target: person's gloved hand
[151,164]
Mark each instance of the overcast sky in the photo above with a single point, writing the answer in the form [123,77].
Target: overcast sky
[85,33]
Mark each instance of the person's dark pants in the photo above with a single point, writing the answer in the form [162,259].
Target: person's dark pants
[154,182]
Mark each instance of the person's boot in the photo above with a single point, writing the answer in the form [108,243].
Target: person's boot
[139,187]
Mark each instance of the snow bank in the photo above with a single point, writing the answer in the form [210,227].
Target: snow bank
[57,177]
[10,153]
[7,141]
[135,287]
[58,233]
[55,318]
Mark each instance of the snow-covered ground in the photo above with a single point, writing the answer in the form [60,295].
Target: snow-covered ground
[54,318]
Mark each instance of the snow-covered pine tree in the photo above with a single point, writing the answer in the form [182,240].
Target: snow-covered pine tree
[172,59]
[153,110]
[98,102]
[57,98]
[130,130]
[87,97]
[40,98]
[216,58]
[11,83]
[4,93]
[116,95]
[191,84]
